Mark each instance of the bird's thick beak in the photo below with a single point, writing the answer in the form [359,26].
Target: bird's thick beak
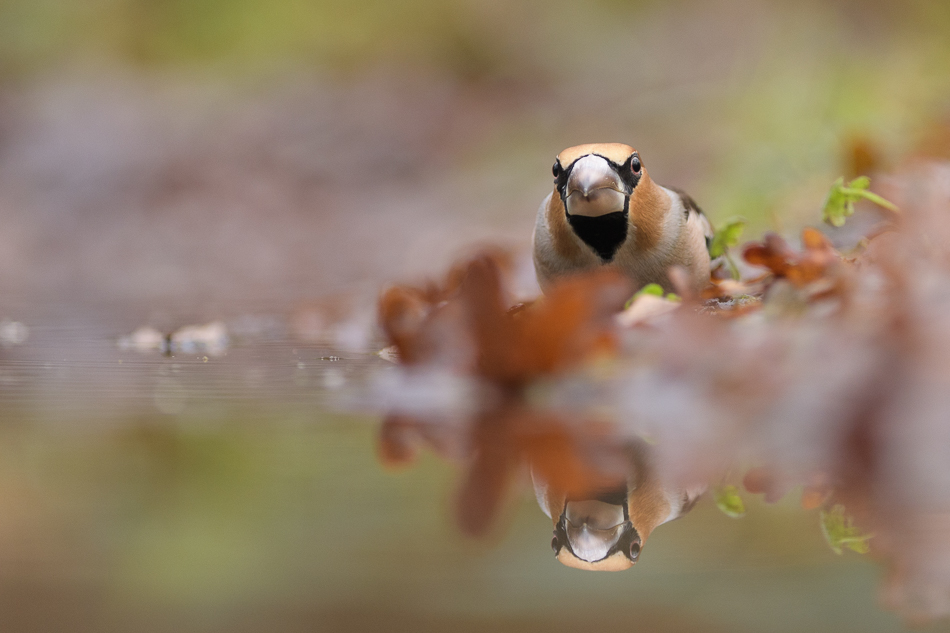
[593,530]
[594,188]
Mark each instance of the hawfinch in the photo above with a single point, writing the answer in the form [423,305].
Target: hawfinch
[604,531]
[606,210]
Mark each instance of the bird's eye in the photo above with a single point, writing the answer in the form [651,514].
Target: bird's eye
[634,551]
[555,544]
[635,164]
[556,170]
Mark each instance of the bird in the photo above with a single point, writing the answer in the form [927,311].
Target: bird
[605,530]
[606,210]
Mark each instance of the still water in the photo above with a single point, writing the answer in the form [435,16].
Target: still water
[242,491]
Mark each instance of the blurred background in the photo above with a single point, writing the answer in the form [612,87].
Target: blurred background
[271,165]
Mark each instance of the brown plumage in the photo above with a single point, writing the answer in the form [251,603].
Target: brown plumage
[605,210]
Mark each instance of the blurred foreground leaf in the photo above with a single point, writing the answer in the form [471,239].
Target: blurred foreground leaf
[840,202]
[840,531]
[728,500]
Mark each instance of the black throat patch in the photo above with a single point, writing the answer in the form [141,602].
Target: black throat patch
[604,234]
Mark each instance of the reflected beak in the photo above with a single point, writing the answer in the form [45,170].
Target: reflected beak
[593,527]
[595,535]
[593,188]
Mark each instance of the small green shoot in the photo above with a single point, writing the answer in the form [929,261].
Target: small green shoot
[727,235]
[840,532]
[728,500]
[840,202]
[652,289]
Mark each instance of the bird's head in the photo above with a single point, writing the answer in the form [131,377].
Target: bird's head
[596,534]
[595,183]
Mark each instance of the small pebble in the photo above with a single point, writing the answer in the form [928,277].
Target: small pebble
[390,354]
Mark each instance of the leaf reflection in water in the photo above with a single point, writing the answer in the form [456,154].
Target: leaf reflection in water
[598,486]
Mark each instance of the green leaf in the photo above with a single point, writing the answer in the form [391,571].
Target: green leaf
[650,289]
[861,182]
[837,205]
[727,235]
[840,202]
[840,532]
[728,500]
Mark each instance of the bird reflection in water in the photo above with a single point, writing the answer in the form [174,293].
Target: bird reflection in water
[604,529]
[602,492]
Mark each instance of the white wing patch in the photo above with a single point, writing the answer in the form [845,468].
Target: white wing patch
[695,215]
[708,230]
